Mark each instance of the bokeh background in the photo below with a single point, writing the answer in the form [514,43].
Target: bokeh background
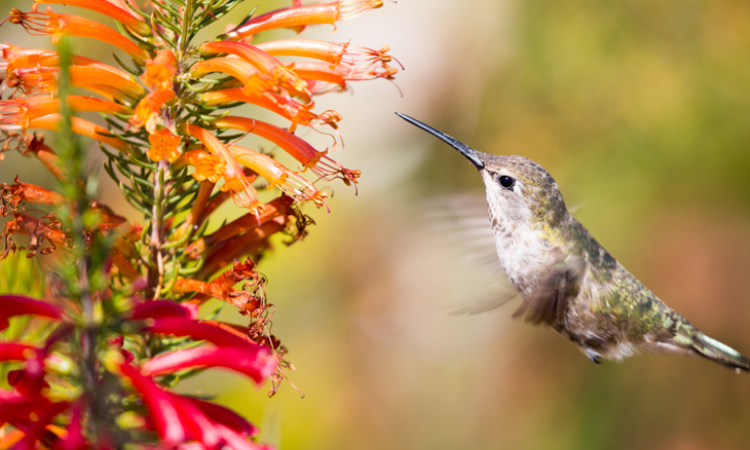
[639,109]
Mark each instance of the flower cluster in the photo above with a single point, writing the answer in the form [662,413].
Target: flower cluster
[119,325]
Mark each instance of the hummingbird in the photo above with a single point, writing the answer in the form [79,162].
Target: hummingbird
[566,279]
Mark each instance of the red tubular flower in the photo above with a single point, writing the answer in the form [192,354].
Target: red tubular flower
[160,309]
[50,23]
[203,332]
[18,305]
[131,21]
[298,17]
[163,410]
[232,351]
[226,417]
[258,367]
[82,127]
[265,63]
[23,110]
[13,351]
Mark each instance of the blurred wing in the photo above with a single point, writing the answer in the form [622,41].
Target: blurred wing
[549,301]
[494,301]
[461,222]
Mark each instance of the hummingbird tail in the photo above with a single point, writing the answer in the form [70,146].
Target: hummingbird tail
[721,353]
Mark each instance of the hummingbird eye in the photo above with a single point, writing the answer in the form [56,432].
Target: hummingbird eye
[506,182]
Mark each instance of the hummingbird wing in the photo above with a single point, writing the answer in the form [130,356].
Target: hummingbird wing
[460,221]
[548,303]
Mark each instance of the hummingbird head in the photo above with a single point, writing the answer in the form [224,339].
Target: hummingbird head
[519,190]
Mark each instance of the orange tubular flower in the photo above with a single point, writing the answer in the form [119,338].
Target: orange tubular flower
[50,23]
[46,156]
[237,68]
[160,70]
[330,52]
[100,81]
[277,175]
[298,17]
[280,206]
[342,73]
[290,109]
[21,111]
[108,9]
[265,63]
[207,166]
[146,113]
[303,152]
[19,57]
[234,179]
[163,146]
[82,127]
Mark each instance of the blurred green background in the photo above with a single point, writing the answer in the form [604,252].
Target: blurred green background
[639,109]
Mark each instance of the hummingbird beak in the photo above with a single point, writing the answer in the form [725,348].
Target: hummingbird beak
[471,154]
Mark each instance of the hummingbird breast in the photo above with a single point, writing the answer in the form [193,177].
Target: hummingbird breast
[522,252]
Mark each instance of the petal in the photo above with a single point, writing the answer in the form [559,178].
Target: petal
[158,309]
[256,365]
[18,305]
[162,408]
